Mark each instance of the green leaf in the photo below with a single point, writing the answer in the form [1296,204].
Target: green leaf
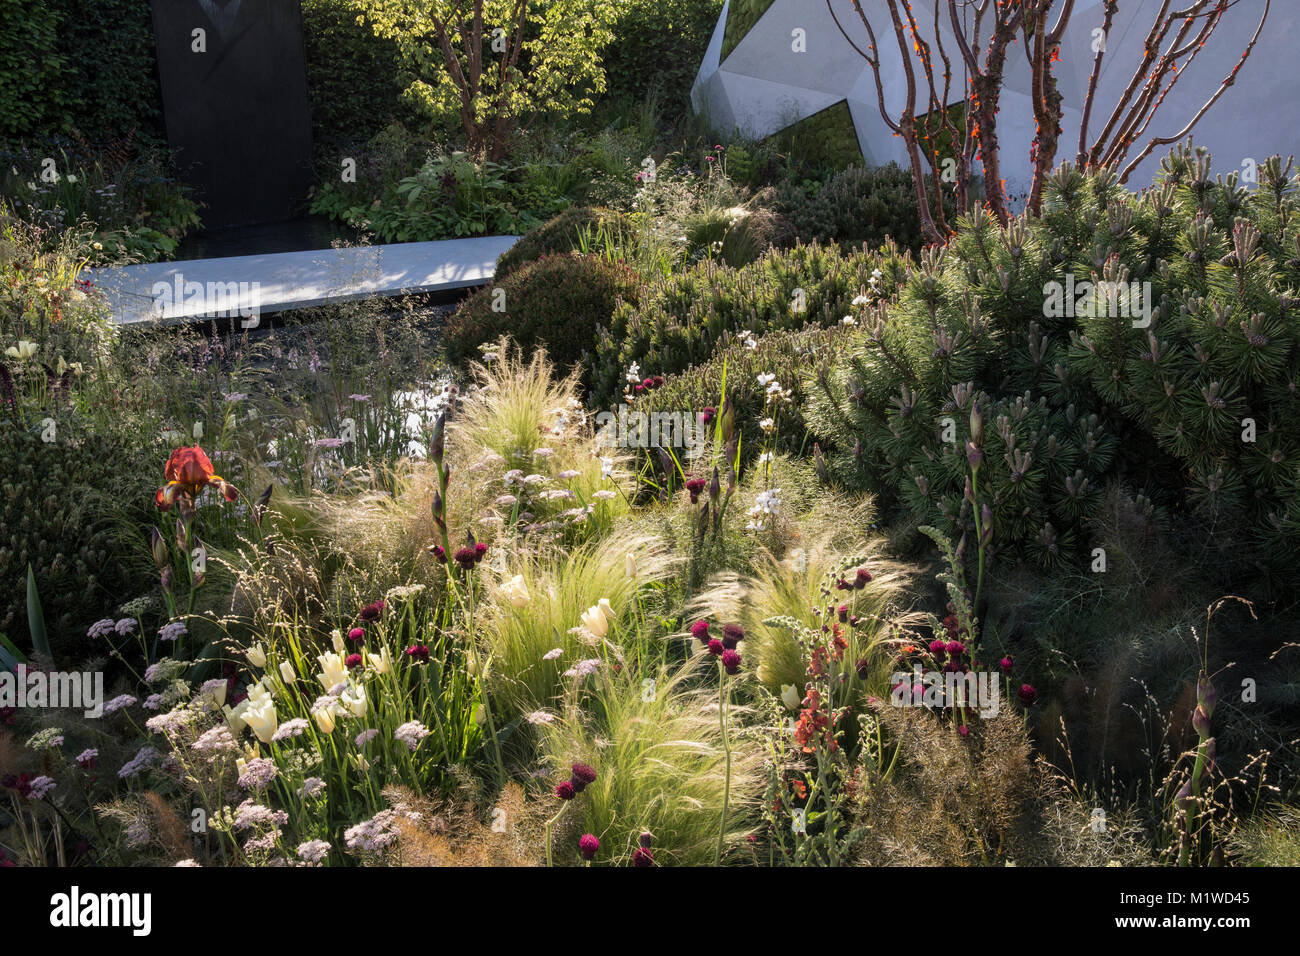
[10,655]
[36,617]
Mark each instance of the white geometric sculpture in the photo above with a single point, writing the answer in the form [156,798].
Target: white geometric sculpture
[794,62]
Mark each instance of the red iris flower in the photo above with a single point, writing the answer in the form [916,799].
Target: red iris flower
[187,472]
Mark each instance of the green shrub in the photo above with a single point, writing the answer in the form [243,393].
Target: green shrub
[558,302]
[855,205]
[123,199]
[680,319]
[787,354]
[451,194]
[31,97]
[658,48]
[86,65]
[1071,403]
[110,85]
[352,76]
[735,235]
[565,233]
[67,507]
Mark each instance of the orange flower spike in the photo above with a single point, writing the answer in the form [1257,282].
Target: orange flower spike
[187,472]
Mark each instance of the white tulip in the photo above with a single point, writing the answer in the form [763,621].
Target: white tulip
[261,715]
[355,701]
[790,696]
[235,717]
[256,655]
[337,637]
[286,672]
[594,620]
[629,562]
[324,718]
[23,351]
[516,591]
[380,663]
[333,671]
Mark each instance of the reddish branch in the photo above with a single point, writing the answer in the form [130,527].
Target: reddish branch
[1172,43]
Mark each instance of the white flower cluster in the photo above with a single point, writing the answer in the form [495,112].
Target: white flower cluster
[874,283]
[775,393]
[766,503]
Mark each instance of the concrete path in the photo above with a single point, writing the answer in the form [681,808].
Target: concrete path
[248,286]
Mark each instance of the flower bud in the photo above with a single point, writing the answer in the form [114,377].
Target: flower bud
[1206,697]
[324,718]
[437,439]
[976,424]
[1201,721]
[727,420]
[159,546]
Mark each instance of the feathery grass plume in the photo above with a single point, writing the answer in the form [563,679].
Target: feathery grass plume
[792,587]
[515,420]
[457,832]
[534,421]
[983,800]
[1270,838]
[173,835]
[660,767]
[150,830]
[561,587]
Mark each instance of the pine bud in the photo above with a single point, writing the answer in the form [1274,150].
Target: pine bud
[819,463]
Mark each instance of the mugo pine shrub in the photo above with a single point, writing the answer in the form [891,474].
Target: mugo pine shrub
[565,233]
[557,302]
[681,319]
[65,507]
[856,205]
[1194,412]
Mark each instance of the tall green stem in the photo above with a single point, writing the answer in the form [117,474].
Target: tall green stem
[726,749]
